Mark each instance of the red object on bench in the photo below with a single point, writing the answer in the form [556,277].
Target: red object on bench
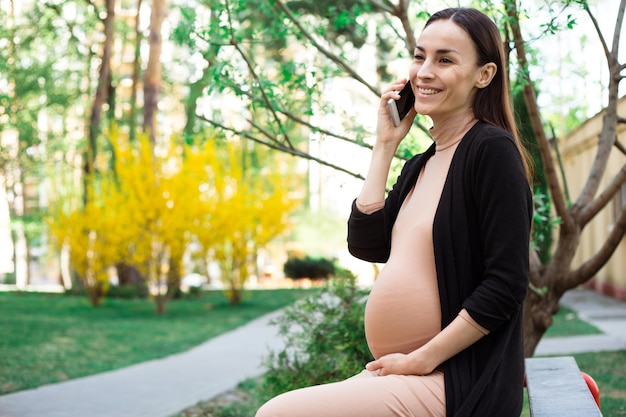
[593,387]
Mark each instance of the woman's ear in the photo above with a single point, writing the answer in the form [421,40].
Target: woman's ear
[486,74]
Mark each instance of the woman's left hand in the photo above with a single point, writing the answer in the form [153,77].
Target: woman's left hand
[401,364]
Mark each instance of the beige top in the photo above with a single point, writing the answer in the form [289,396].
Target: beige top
[403,310]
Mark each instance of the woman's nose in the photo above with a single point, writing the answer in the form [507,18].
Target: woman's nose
[425,70]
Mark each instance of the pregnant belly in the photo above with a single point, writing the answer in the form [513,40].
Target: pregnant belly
[402,312]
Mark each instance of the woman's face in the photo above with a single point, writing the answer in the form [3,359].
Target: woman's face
[445,72]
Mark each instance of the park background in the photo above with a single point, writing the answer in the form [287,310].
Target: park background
[161,145]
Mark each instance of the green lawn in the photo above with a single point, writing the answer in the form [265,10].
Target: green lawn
[49,338]
[567,323]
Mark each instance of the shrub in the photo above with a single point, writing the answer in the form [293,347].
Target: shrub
[324,338]
[308,267]
[128,291]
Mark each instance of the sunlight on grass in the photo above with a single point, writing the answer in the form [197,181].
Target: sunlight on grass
[49,338]
[567,323]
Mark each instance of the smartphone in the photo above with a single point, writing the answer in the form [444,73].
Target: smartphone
[401,107]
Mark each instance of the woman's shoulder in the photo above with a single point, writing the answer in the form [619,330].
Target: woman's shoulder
[489,139]
[484,131]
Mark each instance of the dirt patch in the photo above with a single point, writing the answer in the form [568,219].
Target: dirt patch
[212,407]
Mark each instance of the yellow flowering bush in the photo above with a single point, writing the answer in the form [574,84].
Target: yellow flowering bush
[156,199]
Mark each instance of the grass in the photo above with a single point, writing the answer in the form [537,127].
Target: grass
[567,323]
[50,338]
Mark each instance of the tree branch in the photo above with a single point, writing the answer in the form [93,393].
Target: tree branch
[619,146]
[609,127]
[604,198]
[402,14]
[334,58]
[318,129]
[530,99]
[605,47]
[266,99]
[619,21]
[331,134]
[596,262]
[385,6]
[279,147]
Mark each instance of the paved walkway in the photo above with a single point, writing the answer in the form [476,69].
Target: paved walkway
[164,387]
[605,313]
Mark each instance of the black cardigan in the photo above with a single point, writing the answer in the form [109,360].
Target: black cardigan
[481,235]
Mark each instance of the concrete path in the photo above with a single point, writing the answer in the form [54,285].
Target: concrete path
[162,388]
[605,313]
[159,388]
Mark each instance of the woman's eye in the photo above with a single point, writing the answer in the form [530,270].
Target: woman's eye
[418,57]
[446,60]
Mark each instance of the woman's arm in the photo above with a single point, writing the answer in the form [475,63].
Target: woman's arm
[388,138]
[504,209]
[367,225]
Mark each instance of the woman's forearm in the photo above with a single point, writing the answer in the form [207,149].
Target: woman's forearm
[461,333]
[374,187]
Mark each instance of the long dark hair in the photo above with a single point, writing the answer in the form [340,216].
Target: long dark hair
[492,104]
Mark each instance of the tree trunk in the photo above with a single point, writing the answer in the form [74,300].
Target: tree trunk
[160,300]
[104,79]
[174,275]
[128,274]
[549,282]
[152,77]
[135,76]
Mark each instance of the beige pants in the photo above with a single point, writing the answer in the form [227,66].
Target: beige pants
[364,395]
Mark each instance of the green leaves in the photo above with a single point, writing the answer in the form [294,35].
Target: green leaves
[325,330]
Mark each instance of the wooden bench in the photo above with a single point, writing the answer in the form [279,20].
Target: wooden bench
[557,388]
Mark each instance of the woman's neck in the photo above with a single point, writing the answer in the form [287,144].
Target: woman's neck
[447,132]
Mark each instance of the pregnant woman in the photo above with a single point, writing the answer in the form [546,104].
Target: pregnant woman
[444,318]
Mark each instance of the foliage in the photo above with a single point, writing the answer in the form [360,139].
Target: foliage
[280,63]
[543,218]
[544,223]
[34,81]
[50,338]
[308,267]
[91,238]
[245,207]
[147,211]
[324,338]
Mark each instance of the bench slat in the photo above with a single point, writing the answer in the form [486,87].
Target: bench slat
[556,388]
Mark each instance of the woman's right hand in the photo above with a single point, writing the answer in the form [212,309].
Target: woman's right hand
[388,137]
[386,132]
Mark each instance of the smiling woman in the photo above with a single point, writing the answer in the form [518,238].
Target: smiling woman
[446,80]
[443,320]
